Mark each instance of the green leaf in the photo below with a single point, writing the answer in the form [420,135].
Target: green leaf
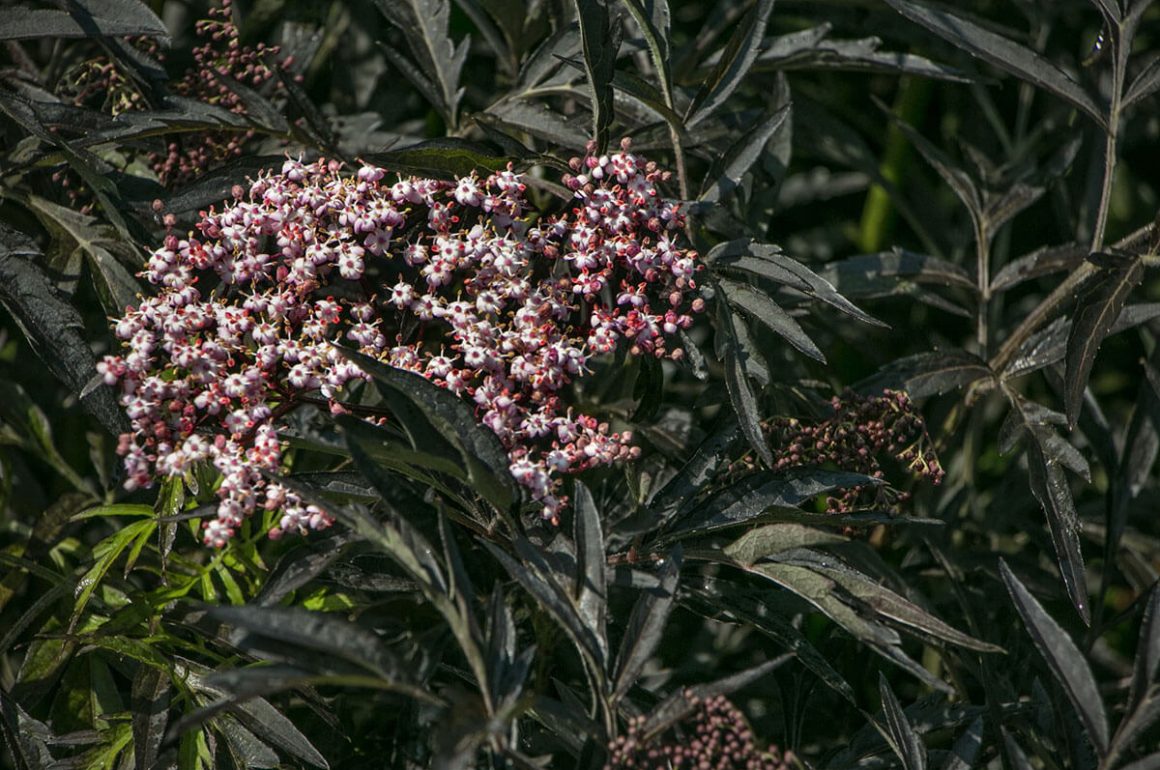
[105,554]
[1064,659]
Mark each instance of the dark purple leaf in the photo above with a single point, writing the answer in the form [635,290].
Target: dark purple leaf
[1144,85]
[600,49]
[1002,52]
[425,27]
[726,173]
[52,327]
[899,732]
[83,18]
[1105,295]
[731,69]
[1049,259]
[646,625]
[591,589]
[1071,671]
[929,374]
[150,707]
[764,310]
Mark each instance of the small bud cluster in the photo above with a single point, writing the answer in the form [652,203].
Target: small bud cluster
[100,84]
[443,278]
[218,60]
[859,431]
[714,736]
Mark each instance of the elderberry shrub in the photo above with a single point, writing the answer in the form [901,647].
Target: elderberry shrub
[450,279]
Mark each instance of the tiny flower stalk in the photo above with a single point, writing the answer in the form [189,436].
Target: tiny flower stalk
[449,279]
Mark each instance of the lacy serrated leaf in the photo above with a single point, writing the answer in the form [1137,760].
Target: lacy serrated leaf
[726,173]
[756,544]
[150,708]
[84,18]
[876,274]
[883,601]
[1043,261]
[1098,308]
[1063,657]
[764,310]
[322,639]
[735,62]
[591,588]
[734,605]
[52,326]
[760,492]
[929,374]
[646,626]
[538,579]
[600,49]
[425,26]
[678,705]
[483,455]
[766,260]
[741,394]
[448,158]
[1002,52]
[1144,85]
[957,179]
[899,732]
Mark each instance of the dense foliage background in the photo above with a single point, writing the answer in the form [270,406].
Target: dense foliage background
[953,202]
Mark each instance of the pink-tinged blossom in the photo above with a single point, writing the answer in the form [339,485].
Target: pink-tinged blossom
[440,278]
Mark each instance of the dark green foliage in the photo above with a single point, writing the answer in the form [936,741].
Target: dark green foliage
[954,200]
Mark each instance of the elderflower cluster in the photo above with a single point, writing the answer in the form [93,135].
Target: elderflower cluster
[449,279]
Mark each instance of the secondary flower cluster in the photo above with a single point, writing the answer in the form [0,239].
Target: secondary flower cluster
[444,278]
[714,736]
[854,437]
[219,60]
